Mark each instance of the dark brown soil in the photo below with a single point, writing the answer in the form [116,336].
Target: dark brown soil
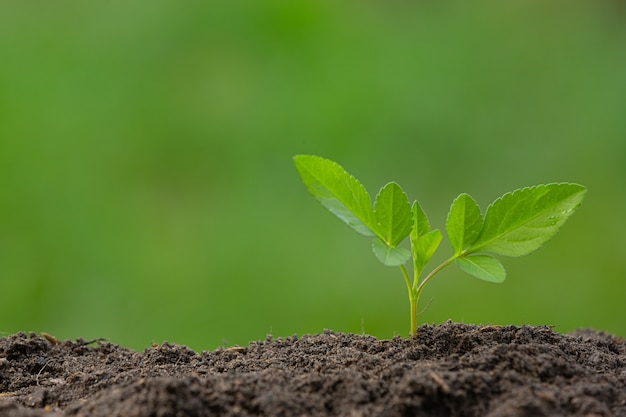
[449,370]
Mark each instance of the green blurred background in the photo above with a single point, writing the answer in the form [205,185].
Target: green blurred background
[147,191]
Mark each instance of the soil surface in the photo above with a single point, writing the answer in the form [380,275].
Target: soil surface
[449,370]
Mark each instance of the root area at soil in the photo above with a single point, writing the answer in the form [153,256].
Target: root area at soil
[448,370]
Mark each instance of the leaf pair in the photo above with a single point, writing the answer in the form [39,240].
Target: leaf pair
[389,221]
[515,224]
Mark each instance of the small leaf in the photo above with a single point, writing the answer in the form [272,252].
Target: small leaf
[518,223]
[423,248]
[388,255]
[464,223]
[392,213]
[483,267]
[341,193]
[420,221]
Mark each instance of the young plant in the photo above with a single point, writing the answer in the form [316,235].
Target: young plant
[515,224]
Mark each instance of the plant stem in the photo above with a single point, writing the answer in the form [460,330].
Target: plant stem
[415,290]
[411,300]
[433,273]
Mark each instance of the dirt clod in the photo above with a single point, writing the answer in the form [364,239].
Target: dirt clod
[449,370]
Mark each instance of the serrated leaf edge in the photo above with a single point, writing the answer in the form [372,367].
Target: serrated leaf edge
[474,248]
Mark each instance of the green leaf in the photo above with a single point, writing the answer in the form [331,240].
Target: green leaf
[518,223]
[464,223]
[388,255]
[423,248]
[338,191]
[483,267]
[420,221]
[424,242]
[392,213]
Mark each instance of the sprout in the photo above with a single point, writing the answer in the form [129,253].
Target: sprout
[516,224]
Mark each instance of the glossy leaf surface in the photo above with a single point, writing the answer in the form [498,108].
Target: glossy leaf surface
[392,213]
[420,221]
[483,267]
[390,256]
[518,223]
[464,223]
[423,248]
[338,191]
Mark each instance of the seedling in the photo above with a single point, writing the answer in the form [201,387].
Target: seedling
[516,224]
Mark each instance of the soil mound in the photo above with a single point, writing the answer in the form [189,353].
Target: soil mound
[449,370]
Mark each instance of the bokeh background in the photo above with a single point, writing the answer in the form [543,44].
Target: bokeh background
[147,190]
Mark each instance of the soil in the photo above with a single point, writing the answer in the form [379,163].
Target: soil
[449,370]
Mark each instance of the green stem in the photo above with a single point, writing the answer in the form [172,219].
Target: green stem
[414,316]
[415,290]
[433,273]
[412,299]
